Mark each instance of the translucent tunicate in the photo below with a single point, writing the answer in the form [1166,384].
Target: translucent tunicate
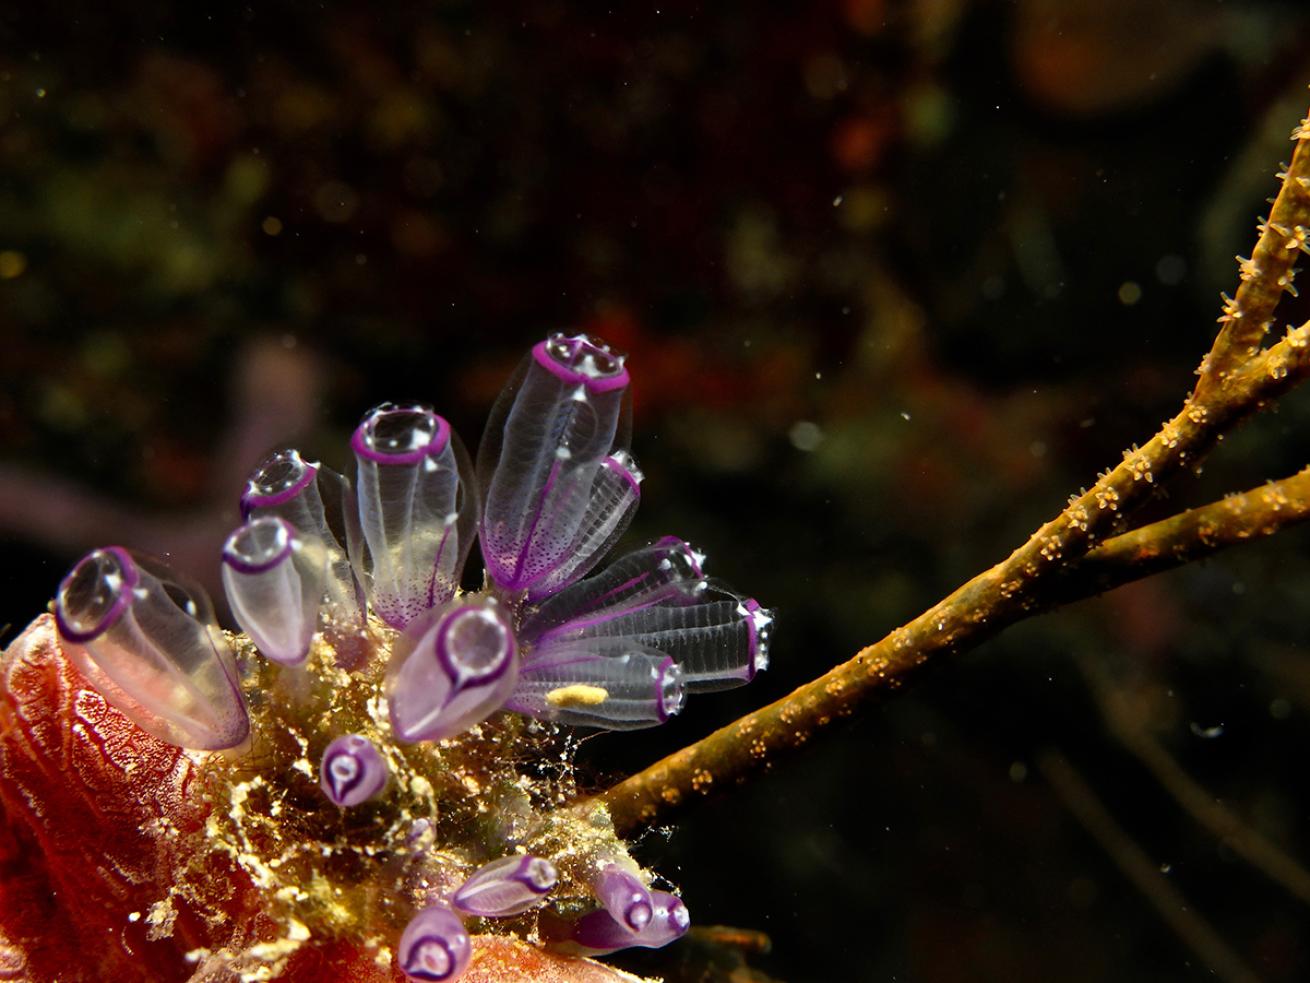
[599,933]
[658,599]
[146,639]
[599,683]
[434,946]
[320,507]
[719,641]
[453,668]
[417,510]
[625,897]
[274,588]
[556,491]
[352,770]
[666,572]
[504,887]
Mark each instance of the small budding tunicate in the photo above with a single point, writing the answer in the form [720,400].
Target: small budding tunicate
[625,897]
[353,770]
[509,886]
[275,595]
[600,933]
[434,946]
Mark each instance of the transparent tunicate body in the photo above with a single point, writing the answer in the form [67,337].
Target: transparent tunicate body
[623,895]
[352,771]
[148,642]
[274,587]
[451,669]
[319,505]
[434,946]
[667,572]
[505,887]
[559,488]
[599,683]
[656,600]
[417,510]
[599,932]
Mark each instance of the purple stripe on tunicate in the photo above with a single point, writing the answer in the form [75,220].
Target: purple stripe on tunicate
[632,582]
[597,384]
[359,443]
[518,582]
[751,605]
[627,475]
[341,791]
[251,500]
[439,646]
[242,565]
[666,667]
[531,585]
[123,599]
[436,567]
[579,624]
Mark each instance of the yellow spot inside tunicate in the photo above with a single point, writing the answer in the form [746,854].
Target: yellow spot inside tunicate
[1130,293]
[12,264]
[577,695]
[272,225]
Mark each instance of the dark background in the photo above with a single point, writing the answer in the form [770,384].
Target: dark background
[895,280]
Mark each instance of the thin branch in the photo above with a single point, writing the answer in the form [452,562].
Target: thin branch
[1024,583]
[1185,537]
[1131,731]
[1170,903]
[1267,275]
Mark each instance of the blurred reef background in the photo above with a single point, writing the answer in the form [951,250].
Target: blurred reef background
[895,279]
